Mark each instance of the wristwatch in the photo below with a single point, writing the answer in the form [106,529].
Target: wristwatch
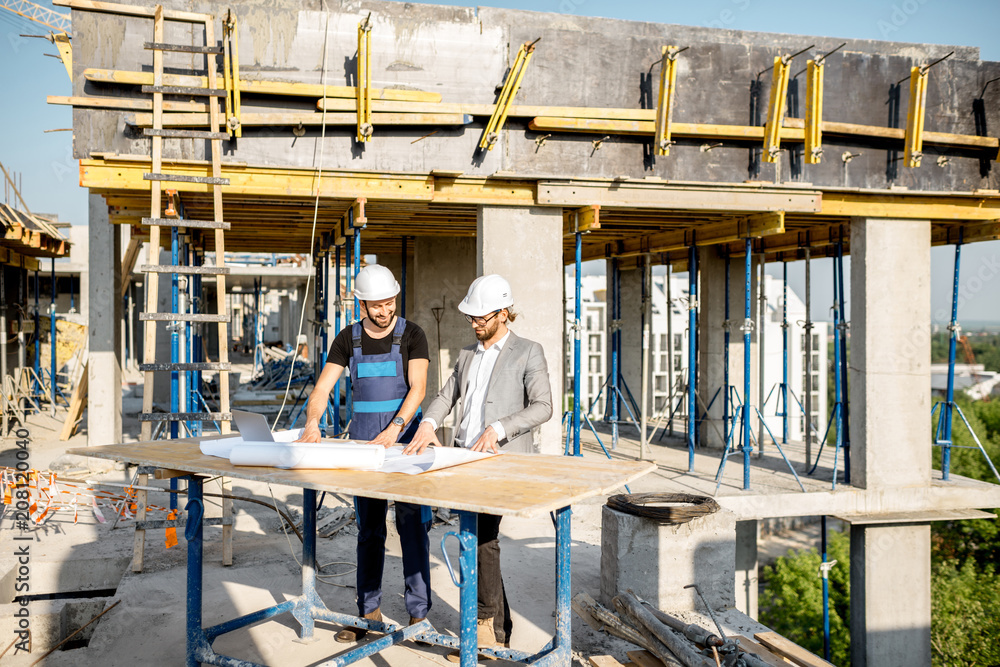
[398,421]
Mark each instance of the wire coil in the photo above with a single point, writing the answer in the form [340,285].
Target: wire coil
[664,508]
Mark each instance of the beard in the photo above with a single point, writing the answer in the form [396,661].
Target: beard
[382,321]
[487,332]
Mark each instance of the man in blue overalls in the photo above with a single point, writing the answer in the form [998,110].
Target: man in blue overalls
[388,360]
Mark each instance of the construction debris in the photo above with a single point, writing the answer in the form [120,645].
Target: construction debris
[276,367]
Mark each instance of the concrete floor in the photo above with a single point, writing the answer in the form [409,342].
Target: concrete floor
[148,625]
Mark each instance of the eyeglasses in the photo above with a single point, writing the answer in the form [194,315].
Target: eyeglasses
[480,321]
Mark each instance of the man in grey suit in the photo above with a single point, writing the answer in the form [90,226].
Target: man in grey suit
[502,386]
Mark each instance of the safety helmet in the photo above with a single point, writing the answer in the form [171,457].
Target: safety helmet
[486,295]
[375,283]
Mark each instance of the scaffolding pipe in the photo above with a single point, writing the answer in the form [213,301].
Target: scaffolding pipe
[784,353]
[670,352]
[726,327]
[647,317]
[845,407]
[825,574]
[807,327]
[336,330]
[692,351]
[53,388]
[613,392]
[357,267]
[577,344]
[838,407]
[402,280]
[747,326]
[349,291]
[174,334]
[761,351]
[945,416]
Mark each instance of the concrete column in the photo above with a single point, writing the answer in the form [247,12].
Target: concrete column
[630,356]
[890,595]
[443,269]
[104,396]
[747,533]
[711,348]
[525,246]
[890,388]
[658,561]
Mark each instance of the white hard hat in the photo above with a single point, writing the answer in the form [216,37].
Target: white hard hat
[486,295]
[375,283]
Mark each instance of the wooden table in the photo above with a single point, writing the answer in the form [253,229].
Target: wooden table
[512,485]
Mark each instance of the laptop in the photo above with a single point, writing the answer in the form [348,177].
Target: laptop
[252,426]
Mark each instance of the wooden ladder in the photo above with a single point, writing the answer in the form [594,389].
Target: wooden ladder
[152,269]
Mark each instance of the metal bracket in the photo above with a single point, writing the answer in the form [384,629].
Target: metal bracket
[364,82]
[231,74]
[824,569]
[914,138]
[447,560]
[748,326]
[814,111]
[665,102]
[776,104]
[491,133]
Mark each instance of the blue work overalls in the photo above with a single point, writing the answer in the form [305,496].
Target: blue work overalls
[378,392]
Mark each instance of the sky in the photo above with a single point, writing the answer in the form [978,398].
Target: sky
[50,175]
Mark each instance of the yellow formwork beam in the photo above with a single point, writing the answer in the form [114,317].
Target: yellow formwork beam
[755,226]
[583,219]
[776,108]
[914,139]
[364,80]
[665,101]
[814,111]
[511,84]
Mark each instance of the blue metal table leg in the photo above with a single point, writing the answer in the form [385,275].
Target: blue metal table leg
[193,532]
[563,582]
[469,601]
[304,611]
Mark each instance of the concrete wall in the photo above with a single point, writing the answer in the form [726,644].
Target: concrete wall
[443,269]
[537,283]
[463,53]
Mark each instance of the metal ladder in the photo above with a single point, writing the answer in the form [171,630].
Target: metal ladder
[152,269]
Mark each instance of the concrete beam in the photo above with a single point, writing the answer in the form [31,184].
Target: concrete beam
[104,395]
[524,245]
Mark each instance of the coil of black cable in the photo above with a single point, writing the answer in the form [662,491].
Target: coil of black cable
[664,508]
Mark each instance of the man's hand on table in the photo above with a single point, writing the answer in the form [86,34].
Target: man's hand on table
[310,434]
[424,436]
[388,437]
[487,442]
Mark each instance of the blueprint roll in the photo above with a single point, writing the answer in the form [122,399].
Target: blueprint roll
[301,455]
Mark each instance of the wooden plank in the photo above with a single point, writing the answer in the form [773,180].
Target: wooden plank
[128,262]
[186,90]
[307,118]
[183,317]
[76,403]
[127,103]
[523,485]
[261,86]
[178,178]
[167,473]
[181,48]
[899,134]
[185,222]
[132,10]
[183,134]
[789,649]
[187,270]
[644,658]
[750,646]
[604,661]
[193,366]
[184,416]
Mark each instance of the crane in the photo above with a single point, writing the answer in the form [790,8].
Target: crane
[50,18]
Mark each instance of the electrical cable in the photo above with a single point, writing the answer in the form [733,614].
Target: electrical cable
[670,509]
[312,234]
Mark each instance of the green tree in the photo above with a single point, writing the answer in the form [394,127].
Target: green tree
[965,622]
[792,600]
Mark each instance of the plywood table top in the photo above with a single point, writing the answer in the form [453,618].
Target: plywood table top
[512,484]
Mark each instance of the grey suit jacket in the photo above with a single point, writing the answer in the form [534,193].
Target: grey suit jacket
[519,394]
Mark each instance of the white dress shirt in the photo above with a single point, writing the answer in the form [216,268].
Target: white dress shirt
[474,409]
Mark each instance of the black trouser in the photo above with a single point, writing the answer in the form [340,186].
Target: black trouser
[492,596]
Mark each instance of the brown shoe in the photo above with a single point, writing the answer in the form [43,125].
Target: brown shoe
[413,621]
[350,635]
[485,638]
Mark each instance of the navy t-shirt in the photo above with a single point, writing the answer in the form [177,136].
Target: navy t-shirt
[412,346]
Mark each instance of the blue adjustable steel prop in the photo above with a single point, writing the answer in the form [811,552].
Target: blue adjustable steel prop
[308,607]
